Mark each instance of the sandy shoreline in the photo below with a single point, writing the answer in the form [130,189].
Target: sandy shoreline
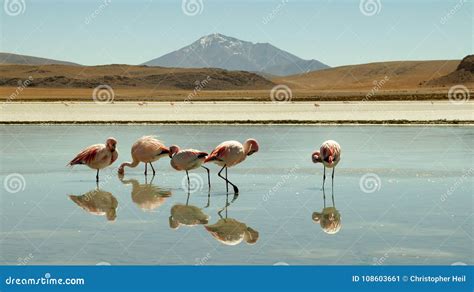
[391,112]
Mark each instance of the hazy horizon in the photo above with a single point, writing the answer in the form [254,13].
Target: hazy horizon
[126,32]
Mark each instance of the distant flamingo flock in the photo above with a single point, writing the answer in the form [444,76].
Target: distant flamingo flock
[148,149]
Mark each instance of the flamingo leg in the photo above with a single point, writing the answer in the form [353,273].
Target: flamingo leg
[146,164]
[97,176]
[227,181]
[208,176]
[189,184]
[152,168]
[236,189]
[324,180]
[332,186]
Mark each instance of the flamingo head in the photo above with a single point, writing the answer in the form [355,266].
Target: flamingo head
[111,144]
[250,236]
[203,155]
[173,149]
[316,156]
[121,170]
[252,146]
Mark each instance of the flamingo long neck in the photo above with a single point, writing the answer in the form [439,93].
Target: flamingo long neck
[134,163]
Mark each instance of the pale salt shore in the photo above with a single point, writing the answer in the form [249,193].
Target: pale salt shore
[235,112]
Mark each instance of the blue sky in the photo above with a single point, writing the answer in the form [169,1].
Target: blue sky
[333,31]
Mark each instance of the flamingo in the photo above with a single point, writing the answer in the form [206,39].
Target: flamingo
[188,159]
[97,156]
[329,155]
[231,153]
[147,149]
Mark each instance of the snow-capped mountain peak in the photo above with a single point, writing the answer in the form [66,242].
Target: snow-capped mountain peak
[221,51]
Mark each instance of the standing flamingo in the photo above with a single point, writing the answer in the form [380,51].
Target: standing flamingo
[230,153]
[188,159]
[329,155]
[97,156]
[147,149]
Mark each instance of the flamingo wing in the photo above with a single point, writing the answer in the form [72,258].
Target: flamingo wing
[86,156]
[216,154]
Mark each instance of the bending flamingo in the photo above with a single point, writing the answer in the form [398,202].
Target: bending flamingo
[329,155]
[231,153]
[97,156]
[147,149]
[188,159]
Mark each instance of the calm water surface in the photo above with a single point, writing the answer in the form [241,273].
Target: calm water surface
[404,194]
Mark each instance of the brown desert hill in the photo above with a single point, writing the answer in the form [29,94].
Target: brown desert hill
[127,76]
[397,75]
[15,59]
[464,74]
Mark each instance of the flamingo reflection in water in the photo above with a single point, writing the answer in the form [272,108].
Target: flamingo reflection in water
[98,202]
[187,215]
[147,196]
[329,218]
[229,231]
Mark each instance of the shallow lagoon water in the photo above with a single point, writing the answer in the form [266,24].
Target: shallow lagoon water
[405,195]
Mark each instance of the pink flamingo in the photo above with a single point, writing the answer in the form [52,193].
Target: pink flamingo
[188,159]
[329,155]
[97,156]
[230,153]
[147,149]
